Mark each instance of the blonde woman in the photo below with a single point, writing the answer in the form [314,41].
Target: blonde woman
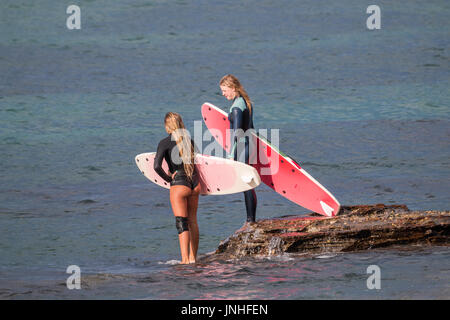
[179,151]
[241,117]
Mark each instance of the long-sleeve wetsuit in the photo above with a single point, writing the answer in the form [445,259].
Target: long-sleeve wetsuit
[241,118]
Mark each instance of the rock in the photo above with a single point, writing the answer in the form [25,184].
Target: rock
[355,228]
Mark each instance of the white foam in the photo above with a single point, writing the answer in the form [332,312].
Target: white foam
[171,262]
[326,256]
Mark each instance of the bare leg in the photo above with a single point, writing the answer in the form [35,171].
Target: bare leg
[178,199]
[193,226]
[184,246]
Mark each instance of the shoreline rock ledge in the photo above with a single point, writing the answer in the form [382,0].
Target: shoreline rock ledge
[357,227]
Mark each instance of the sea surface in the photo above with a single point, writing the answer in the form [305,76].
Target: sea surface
[365,112]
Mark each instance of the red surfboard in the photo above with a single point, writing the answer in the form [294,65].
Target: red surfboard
[276,169]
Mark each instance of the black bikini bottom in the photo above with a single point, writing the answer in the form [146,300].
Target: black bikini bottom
[181,179]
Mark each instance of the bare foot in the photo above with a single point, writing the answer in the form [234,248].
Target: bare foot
[245,226]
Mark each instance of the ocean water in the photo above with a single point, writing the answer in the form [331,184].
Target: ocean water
[366,113]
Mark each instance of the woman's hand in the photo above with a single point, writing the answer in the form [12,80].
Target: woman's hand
[173,174]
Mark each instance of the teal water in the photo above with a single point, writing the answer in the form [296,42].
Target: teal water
[366,113]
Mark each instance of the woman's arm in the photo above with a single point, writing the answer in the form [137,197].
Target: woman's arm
[157,165]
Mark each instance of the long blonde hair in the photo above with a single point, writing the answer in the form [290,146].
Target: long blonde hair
[231,81]
[175,126]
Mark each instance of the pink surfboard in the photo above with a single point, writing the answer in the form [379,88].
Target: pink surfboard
[276,169]
[217,175]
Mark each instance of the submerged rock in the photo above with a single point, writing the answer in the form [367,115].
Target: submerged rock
[355,228]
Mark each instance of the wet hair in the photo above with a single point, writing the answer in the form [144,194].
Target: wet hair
[231,81]
[175,126]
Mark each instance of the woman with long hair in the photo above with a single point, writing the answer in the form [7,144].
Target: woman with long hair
[241,117]
[178,150]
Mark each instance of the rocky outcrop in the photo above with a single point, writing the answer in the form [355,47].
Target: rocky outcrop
[354,228]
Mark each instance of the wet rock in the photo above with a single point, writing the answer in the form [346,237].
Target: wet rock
[355,228]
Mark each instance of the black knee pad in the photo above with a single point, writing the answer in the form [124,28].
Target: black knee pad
[181,224]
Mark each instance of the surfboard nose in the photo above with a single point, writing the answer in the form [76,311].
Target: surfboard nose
[252,178]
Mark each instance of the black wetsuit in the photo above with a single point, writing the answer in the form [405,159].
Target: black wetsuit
[164,151]
[241,118]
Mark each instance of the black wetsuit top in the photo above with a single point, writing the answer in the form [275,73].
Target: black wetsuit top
[240,119]
[164,152]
